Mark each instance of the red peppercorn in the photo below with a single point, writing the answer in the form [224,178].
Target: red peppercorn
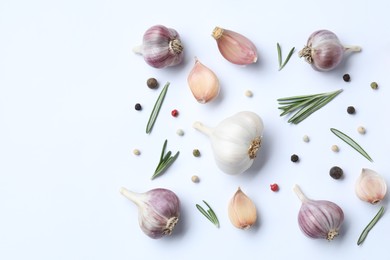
[274,187]
[175,113]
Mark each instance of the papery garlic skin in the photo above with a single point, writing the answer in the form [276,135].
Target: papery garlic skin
[235,47]
[319,218]
[158,210]
[203,83]
[161,47]
[235,141]
[242,211]
[370,186]
[324,50]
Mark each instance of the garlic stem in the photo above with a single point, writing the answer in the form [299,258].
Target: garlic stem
[134,197]
[352,48]
[202,128]
[138,49]
[299,193]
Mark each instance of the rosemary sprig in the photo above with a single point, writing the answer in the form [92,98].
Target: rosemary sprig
[281,66]
[351,142]
[209,214]
[305,105]
[166,160]
[156,108]
[370,225]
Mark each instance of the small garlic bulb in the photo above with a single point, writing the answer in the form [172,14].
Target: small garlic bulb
[324,50]
[235,47]
[319,218]
[242,210]
[161,47]
[370,186]
[235,141]
[203,83]
[158,210]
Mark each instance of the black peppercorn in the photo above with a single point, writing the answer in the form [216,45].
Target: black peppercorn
[346,77]
[294,158]
[351,110]
[138,106]
[152,83]
[336,172]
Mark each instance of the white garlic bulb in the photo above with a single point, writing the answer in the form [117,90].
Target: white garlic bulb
[370,186]
[235,141]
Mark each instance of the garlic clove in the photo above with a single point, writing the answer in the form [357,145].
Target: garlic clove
[203,83]
[242,210]
[158,210]
[370,186]
[235,47]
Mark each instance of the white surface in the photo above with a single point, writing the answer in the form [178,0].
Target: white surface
[68,85]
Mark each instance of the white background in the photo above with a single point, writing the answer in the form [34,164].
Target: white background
[68,85]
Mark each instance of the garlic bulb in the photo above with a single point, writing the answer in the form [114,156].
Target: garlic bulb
[370,186]
[235,141]
[319,218]
[242,210]
[161,47]
[324,50]
[158,210]
[235,47]
[203,83]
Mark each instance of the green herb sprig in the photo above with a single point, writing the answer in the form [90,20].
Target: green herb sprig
[370,225]
[209,214]
[351,142]
[281,66]
[156,108]
[305,105]
[166,160]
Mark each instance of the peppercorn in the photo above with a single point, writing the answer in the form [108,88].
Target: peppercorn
[336,172]
[346,77]
[294,158]
[335,148]
[174,113]
[152,83]
[351,110]
[195,179]
[361,130]
[196,152]
[374,85]
[138,107]
[136,152]
[274,187]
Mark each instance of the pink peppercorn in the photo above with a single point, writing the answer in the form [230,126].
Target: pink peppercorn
[274,187]
[175,113]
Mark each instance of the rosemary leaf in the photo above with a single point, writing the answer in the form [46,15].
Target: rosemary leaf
[305,105]
[287,59]
[156,108]
[204,212]
[166,160]
[351,142]
[163,150]
[370,225]
[279,54]
[209,214]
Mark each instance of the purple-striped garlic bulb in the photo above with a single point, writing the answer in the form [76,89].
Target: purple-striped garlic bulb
[319,218]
